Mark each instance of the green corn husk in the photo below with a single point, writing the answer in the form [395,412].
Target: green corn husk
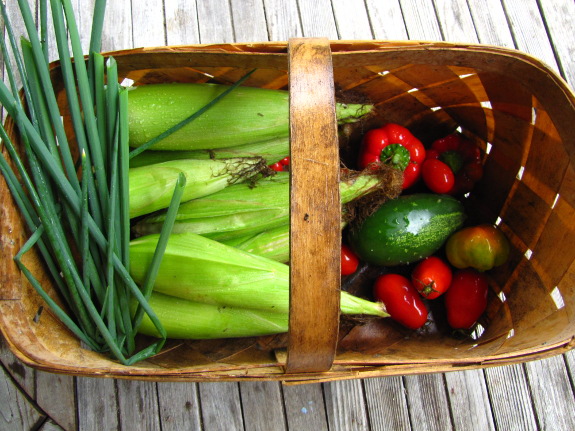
[272,151]
[271,243]
[151,186]
[241,210]
[202,270]
[246,115]
[185,319]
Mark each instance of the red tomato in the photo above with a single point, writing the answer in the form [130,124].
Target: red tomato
[437,176]
[401,300]
[431,277]
[466,298]
[349,261]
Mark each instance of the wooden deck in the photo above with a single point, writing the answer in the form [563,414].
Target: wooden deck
[532,396]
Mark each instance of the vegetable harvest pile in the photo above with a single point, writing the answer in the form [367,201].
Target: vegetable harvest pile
[167,214]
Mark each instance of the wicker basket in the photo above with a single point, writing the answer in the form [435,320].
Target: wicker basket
[512,105]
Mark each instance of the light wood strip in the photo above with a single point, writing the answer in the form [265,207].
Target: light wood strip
[117,31]
[305,407]
[428,402]
[22,374]
[387,404]
[179,406]
[138,404]
[282,18]
[148,23]
[55,394]
[215,21]
[420,20]
[249,20]
[552,393]
[469,400]
[490,23]
[221,406]
[17,412]
[345,406]
[97,404]
[386,19]
[181,22]
[510,400]
[262,406]
[456,22]
[559,17]
[352,20]
[318,19]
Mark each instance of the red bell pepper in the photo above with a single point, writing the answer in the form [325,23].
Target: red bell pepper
[395,145]
[462,156]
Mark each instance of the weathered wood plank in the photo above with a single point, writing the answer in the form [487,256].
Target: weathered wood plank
[552,393]
[305,407]
[469,400]
[455,21]
[138,403]
[420,20]
[490,23]
[386,19]
[215,21]
[345,406]
[148,23]
[317,19]
[61,408]
[387,404]
[181,22]
[50,425]
[97,404]
[221,406]
[22,374]
[249,21]
[179,406]
[117,30]
[528,29]
[428,402]
[559,17]
[511,403]
[352,20]
[282,18]
[17,412]
[262,406]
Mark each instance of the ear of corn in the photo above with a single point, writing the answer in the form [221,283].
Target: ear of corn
[246,115]
[186,319]
[151,186]
[271,151]
[202,270]
[241,210]
[271,243]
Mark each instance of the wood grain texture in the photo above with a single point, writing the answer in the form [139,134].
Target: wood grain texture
[387,404]
[221,406]
[262,406]
[352,20]
[63,406]
[552,393]
[469,401]
[179,406]
[249,20]
[317,19]
[510,399]
[345,406]
[138,405]
[305,407]
[97,404]
[315,218]
[152,33]
[17,412]
[420,20]
[181,22]
[490,23]
[386,19]
[215,21]
[428,402]
[282,19]
[455,19]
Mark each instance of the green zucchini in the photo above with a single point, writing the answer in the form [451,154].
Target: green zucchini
[406,229]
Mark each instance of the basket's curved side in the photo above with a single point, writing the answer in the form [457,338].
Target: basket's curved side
[314,208]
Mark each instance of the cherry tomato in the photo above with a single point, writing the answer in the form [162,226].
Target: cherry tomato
[437,176]
[466,298]
[431,277]
[401,300]
[349,261]
[282,165]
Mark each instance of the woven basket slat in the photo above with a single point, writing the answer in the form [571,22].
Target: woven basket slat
[501,99]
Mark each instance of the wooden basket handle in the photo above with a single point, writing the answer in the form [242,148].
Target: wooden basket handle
[315,209]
